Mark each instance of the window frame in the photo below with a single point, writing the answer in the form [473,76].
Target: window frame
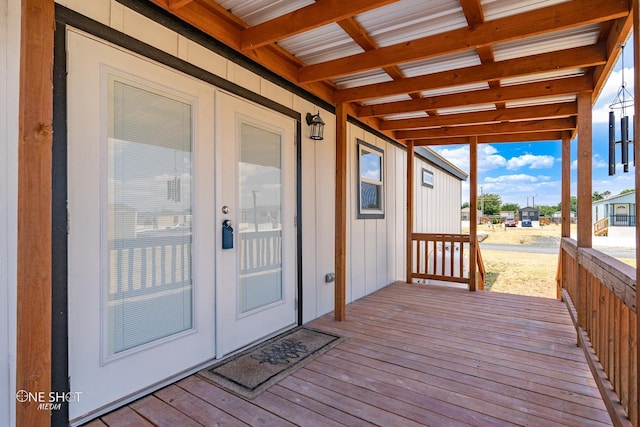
[433,178]
[369,149]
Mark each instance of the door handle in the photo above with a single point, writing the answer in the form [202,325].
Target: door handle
[227,234]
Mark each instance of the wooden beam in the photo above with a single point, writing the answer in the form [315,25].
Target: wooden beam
[340,288]
[566,185]
[564,109]
[549,19]
[304,19]
[359,35]
[528,126]
[473,12]
[410,204]
[473,204]
[617,36]
[493,139]
[586,56]
[35,118]
[177,4]
[566,86]
[213,20]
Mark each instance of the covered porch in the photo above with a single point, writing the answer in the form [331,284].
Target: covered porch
[413,355]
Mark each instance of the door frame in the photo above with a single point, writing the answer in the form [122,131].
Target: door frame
[59,244]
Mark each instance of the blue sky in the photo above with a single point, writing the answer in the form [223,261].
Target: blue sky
[528,173]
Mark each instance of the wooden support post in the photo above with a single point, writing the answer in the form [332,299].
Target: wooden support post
[566,186]
[636,148]
[410,185]
[35,118]
[584,193]
[341,215]
[473,211]
[566,205]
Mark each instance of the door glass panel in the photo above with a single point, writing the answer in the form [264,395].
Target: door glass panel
[148,216]
[260,227]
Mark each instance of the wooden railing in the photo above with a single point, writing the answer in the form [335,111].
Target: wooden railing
[600,293]
[260,251]
[444,257]
[148,264]
[601,228]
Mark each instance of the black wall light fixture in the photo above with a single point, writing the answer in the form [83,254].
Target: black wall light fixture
[316,126]
[622,101]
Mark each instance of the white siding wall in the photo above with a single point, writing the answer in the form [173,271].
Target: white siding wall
[375,248]
[437,209]
[9,70]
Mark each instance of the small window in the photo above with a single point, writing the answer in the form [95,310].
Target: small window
[370,181]
[427,178]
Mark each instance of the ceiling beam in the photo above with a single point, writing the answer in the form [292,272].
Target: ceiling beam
[473,12]
[315,15]
[544,125]
[549,19]
[558,87]
[580,57]
[492,139]
[519,113]
[218,23]
[177,4]
[620,29]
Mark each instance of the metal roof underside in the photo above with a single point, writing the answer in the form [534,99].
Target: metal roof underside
[435,72]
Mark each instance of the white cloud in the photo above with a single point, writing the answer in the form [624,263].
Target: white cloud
[532,161]
[512,179]
[488,157]
[597,162]
[609,94]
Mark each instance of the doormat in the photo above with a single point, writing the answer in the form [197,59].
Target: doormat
[252,371]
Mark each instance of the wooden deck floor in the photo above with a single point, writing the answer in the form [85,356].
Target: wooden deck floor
[414,355]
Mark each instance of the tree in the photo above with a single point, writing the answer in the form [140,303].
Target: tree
[599,196]
[492,203]
[548,211]
[628,190]
[513,207]
[465,205]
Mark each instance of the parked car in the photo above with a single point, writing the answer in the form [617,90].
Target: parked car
[526,223]
[509,222]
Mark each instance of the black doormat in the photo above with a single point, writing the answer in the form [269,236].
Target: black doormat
[252,371]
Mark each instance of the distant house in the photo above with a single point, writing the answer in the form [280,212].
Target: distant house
[507,214]
[465,214]
[620,210]
[529,213]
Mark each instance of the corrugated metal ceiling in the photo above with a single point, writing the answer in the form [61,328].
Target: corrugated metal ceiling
[410,23]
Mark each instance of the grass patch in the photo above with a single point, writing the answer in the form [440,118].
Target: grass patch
[521,273]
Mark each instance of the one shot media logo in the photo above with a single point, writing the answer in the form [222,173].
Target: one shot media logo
[51,401]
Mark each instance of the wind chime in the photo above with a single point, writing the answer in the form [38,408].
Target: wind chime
[622,101]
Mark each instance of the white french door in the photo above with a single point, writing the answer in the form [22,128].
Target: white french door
[256,278]
[141,218]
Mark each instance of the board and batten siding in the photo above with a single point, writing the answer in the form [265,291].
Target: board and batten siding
[437,209]
[375,247]
[9,83]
